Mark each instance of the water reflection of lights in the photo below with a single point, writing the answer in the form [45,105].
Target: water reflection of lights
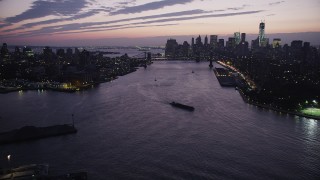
[20,93]
[312,125]
[310,141]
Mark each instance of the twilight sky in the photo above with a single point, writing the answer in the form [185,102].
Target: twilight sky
[80,22]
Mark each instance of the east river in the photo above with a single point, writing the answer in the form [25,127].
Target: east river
[128,130]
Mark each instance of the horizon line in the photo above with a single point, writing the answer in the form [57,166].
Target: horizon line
[163,36]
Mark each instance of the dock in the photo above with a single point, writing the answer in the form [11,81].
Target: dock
[38,171]
[224,77]
[27,133]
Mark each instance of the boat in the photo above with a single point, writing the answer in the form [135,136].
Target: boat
[182,106]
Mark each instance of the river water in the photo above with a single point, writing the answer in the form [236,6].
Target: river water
[128,130]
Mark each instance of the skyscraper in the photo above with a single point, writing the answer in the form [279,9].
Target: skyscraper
[221,43]
[198,41]
[276,43]
[27,51]
[237,37]
[261,34]
[47,54]
[213,40]
[76,51]
[60,52]
[296,44]
[231,43]
[206,41]
[4,49]
[185,49]
[243,37]
[171,48]
[69,51]
[84,58]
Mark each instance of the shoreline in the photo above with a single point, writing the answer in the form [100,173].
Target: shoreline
[276,109]
[7,90]
[270,107]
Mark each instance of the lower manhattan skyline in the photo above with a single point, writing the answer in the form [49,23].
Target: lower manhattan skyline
[127,23]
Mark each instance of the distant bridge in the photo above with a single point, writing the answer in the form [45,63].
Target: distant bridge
[148,56]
